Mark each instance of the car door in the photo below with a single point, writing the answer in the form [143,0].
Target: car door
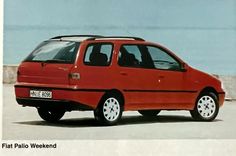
[172,81]
[136,77]
[96,66]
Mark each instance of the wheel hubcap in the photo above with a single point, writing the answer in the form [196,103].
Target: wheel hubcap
[111,109]
[206,106]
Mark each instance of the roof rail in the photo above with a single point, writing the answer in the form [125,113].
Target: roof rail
[93,36]
[123,37]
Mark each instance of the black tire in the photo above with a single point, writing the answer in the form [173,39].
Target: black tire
[109,110]
[206,107]
[51,114]
[149,113]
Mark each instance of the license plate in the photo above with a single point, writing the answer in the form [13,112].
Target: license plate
[41,94]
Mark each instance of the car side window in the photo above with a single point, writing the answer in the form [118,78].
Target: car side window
[98,54]
[134,56]
[163,60]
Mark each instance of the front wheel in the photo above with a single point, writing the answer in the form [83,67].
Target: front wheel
[51,114]
[109,110]
[149,113]
[206,107]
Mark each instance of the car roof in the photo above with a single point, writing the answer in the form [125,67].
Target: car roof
[80,38]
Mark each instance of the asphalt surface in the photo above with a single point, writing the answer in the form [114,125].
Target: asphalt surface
[23,123]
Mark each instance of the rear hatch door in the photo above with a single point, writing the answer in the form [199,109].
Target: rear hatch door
[49,63]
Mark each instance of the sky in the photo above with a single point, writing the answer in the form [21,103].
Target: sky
[159,13]
[198,31]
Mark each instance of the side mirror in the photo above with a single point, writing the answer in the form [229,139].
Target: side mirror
[184,67]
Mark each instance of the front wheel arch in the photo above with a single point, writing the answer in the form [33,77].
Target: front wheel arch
[197,115]
[209,89]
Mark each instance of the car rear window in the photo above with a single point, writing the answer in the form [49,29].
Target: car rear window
[54,52]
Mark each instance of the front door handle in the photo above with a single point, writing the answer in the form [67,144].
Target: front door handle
[123,73]
[160,78]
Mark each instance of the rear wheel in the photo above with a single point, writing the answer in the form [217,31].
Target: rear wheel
[206,108]
[109,110]
[149,113]
[51,114]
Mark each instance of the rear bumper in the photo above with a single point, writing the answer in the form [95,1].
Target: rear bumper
[68,97]
[63,104]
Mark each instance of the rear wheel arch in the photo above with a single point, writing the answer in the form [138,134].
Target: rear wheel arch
[116,93]
[110,108]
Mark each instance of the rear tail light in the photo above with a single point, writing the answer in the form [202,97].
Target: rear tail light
[75,76]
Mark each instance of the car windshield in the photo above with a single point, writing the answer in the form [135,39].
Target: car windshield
[54,52]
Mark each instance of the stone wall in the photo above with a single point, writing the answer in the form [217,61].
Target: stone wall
[229,85]
[9,73]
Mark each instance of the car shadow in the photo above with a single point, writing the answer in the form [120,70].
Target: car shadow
[126,120]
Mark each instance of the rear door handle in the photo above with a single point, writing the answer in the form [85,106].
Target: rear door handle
[123,73]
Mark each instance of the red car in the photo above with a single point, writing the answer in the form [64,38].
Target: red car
[110,75]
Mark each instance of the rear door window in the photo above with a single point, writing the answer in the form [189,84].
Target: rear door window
[98,54]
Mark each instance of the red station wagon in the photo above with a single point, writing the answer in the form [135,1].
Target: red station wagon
[110,75]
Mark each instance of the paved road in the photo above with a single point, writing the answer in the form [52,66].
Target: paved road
[24,123]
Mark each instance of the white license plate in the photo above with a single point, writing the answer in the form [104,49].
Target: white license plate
[40,94]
